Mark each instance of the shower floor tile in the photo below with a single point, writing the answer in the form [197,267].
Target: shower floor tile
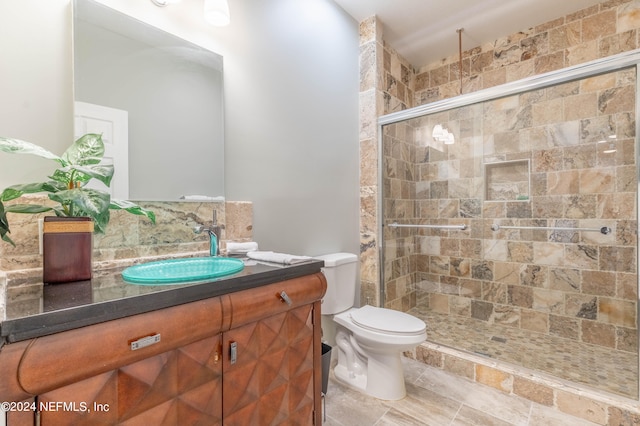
[590,365]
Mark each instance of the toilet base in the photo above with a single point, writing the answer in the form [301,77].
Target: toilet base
[382,378]
[369,357]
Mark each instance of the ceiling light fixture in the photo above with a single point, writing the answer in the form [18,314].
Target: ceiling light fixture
[450,139]
[437,131]
[216,12]
[163,3]
[441,134]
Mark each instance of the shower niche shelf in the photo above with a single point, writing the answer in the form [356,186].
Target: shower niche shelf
[508,180]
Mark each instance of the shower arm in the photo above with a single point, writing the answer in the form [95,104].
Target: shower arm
[604,230]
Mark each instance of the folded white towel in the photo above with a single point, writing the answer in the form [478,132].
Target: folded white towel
[270,256]
[201,198]
[244,247]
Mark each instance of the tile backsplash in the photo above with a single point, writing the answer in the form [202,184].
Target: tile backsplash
[129,237]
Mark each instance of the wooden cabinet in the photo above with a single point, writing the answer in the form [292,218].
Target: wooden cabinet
[270,377]
[250,357]
[182,386]
[272,364]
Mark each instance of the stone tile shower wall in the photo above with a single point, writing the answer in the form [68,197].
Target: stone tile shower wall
[534,160]
[400,205]
[598,31]
[386,82]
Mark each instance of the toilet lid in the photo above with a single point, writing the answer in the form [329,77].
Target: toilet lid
[387,320]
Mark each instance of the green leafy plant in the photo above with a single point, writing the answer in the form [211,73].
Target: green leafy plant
[78,165]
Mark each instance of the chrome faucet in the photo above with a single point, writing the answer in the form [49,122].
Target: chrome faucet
[214,235]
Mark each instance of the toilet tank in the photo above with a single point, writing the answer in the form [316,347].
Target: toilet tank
[340,271]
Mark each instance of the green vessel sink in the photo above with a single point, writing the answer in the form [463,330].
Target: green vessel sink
[174,271]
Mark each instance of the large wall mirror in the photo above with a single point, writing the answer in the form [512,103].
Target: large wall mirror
[156,93]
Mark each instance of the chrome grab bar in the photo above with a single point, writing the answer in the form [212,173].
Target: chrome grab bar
[604,230]
[397,225]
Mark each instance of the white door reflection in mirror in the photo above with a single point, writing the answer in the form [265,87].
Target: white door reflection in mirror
[113,124]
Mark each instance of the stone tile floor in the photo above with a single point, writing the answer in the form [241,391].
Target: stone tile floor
[591,365]
[437,398]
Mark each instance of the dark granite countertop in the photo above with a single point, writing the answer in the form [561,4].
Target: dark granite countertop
[35,310]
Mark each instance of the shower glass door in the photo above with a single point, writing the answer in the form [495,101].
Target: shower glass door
[516,237]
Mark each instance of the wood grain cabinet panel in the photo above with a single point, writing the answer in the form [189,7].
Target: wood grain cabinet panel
[271,380]
[87,351]
[91,375]
[178,387]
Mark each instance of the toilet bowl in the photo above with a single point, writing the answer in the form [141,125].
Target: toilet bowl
[369,340]
[370,343]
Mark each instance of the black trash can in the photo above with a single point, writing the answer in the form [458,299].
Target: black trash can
[326,365]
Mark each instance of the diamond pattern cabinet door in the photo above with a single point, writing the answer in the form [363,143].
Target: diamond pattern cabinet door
[178,387]
[272,380]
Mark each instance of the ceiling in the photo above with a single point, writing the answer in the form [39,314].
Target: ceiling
[424,31]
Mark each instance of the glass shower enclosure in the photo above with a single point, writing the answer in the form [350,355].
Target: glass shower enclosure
[509,222]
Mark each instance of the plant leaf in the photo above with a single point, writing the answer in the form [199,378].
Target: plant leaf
[102,172]
[63,177]
[17,146]
[80,163]
[16,191]
[100,221]
[27,208]
[88,149]
[132,208]
[82,201]
[4,226]
[73,174]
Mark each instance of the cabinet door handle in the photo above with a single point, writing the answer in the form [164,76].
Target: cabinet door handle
[233,352]
[218,353]
[285,298]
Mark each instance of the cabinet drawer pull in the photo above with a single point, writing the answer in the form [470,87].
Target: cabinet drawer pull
[285,298]
[143,342]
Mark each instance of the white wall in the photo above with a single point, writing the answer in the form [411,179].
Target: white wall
[291,105]
[36,96]
[291,81]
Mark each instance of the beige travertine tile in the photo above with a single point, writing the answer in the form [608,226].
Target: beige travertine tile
[533,391]
[494,378]
[468,416]
[459,367]
[509,408]
[581,407]
[545,416]
[557,352]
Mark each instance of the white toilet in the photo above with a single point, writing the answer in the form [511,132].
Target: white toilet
[369,340]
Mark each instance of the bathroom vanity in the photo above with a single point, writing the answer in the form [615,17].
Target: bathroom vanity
[243,349]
